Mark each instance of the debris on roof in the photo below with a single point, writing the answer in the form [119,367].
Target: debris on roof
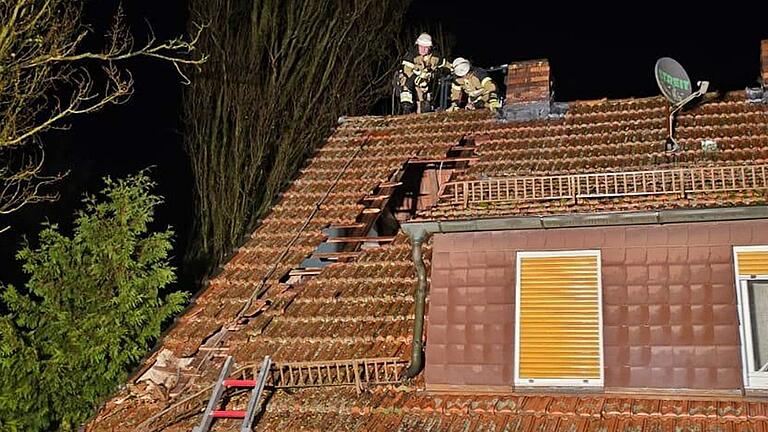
[166,370]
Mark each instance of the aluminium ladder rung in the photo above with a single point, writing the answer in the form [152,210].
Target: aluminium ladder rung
[239,383]
[375,197]
[390,184]
[360,239]
[228,414]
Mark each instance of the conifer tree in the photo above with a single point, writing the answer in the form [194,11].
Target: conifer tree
[91,309]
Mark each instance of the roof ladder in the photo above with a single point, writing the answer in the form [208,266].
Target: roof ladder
[218,391]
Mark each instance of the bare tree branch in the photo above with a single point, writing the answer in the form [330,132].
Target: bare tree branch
[170,51]
[84,101]
[46,78]
[21,181]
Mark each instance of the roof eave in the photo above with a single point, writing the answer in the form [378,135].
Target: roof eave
[660,217]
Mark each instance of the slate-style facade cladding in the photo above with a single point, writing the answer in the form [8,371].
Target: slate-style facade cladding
[670,318]
[668,305]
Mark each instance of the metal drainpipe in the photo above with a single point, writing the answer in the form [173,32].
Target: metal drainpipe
[418,237]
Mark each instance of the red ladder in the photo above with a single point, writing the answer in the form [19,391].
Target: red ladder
[218,390]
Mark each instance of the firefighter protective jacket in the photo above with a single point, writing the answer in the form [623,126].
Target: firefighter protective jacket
[417,73]
[422,65]
[478,86]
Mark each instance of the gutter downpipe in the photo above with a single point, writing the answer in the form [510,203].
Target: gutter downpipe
[418,236]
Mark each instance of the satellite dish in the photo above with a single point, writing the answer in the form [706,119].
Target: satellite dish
[673,81]
[676,87]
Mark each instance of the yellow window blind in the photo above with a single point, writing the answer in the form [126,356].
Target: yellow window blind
[559,318]
[752,262]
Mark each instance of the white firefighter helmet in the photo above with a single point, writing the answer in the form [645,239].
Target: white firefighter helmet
[461,66]
[424,40]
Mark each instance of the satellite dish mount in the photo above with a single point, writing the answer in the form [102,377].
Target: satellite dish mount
[675,85]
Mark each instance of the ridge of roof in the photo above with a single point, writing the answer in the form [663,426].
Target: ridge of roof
[709,97]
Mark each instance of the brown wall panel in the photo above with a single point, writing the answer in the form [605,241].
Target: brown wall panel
[669,303]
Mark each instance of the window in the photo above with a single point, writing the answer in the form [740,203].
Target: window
[752,282]
[558,322]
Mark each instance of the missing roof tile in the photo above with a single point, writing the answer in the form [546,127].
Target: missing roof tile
[422,180]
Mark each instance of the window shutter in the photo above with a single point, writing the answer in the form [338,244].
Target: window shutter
[559,318]
[752,262]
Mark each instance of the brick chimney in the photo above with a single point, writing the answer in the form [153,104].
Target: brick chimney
[529,95]
[760,94]
[764,62]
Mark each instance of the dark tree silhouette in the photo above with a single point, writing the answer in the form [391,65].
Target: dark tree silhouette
[280,74]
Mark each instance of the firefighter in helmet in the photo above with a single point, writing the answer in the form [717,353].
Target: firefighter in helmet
[419,67]
[475,82]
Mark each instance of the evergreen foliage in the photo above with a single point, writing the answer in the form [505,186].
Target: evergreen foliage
[89,312]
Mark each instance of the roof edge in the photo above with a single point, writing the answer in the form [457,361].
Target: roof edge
[659,217]
[595,101]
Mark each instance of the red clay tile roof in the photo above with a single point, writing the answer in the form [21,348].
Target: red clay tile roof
[408,410]
[617,136]
[364,308]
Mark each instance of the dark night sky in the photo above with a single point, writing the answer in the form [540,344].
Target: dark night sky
[608,51]
[594,52]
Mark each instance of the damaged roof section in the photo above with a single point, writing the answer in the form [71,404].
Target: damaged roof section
[350,310]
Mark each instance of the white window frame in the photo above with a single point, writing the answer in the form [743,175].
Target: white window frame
[752,380]
[551,382]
